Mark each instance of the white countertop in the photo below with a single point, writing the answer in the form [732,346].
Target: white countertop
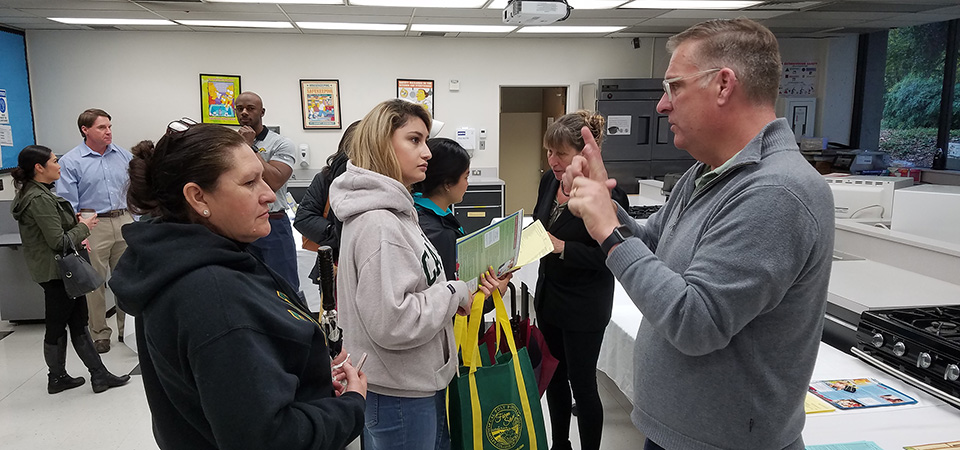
[484,181]
[893,427]
[859,285]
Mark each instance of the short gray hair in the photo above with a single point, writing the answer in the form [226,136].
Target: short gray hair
[745,46]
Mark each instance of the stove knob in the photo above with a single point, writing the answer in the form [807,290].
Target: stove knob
[953,373]
[924,360]
[899,348]
[877,340]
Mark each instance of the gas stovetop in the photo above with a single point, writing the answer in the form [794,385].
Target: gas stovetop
[922,343]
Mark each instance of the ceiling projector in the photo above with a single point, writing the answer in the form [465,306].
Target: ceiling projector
[533,12]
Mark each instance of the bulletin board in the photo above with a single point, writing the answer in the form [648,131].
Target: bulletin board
[16,111]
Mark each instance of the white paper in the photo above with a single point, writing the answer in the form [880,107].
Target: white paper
[618,125]
[492,237]
[6,135]
[4,106]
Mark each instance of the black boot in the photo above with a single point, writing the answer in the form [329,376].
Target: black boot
[100,378]
[56,356]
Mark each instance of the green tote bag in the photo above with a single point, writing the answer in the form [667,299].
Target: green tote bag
[496,406]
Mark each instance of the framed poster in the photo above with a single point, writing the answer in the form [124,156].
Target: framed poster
[217,93]
[320,104]
[417,91]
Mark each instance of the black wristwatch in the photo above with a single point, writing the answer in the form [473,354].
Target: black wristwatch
[619,235]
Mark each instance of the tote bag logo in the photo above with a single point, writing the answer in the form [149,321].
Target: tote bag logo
[504,425]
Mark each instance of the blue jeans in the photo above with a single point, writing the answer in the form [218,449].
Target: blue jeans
[278,250]
[406,423]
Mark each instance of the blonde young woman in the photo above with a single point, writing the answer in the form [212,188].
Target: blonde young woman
[395,301]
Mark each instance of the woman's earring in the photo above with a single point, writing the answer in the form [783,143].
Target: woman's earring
[206,212]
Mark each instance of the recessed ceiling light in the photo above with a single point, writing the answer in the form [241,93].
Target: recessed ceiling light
[235,23]
[462,28]
[576,4]
[352,26]
[102,21]
[568,29]
[689,4]
[421,3]
[293,2]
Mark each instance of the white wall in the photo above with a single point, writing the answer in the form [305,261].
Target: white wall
[836,60]
[840,79]
[146,79]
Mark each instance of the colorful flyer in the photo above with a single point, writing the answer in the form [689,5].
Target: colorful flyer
[858,393]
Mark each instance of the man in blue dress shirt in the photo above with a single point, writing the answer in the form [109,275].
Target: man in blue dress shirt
[93,176]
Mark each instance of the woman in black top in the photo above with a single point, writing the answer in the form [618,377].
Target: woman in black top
[444,186]
[315,219]
[574,296]
[230,355]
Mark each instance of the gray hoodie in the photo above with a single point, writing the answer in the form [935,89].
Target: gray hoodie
[394,300]
[732,283]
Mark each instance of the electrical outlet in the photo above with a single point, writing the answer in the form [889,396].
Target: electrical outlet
[475,173]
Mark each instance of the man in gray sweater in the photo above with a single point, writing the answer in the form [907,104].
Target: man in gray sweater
[731,274]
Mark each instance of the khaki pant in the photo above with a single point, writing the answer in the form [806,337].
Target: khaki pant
[106,247]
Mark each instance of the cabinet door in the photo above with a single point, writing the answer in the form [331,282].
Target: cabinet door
[662,142]
[632,145]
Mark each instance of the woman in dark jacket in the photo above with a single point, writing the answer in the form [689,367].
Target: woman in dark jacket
[230,355]
[444,186]
[574,296]
[315,220]
[44,220]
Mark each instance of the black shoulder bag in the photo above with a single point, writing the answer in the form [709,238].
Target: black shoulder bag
[77,274]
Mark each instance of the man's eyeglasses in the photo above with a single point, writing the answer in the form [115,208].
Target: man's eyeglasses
[669,81]
[179,126]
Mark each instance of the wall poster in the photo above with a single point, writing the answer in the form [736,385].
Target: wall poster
[799,79]
[417,91]
[217,93]
[320,104]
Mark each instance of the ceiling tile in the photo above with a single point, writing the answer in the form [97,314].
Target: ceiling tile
[352,10]
[65,4]
[715,14]
[73,13]
[180,15]
[213,7]
[826,17]
[899,7]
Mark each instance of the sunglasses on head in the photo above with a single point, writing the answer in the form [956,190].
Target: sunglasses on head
[179,126]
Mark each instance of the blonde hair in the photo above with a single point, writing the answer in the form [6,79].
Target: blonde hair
[565,131]
[745,46]
[371,147]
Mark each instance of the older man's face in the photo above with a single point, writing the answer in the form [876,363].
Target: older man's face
[690,107]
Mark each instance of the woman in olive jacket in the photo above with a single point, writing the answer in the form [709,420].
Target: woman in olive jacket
[44,219]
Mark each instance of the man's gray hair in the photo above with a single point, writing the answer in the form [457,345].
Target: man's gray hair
[745,46]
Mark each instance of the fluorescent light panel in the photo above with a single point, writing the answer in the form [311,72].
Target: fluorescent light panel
[421,3]
[569,29]
[235,23]
[689,4]
[288,2]
[103,21]
[352,26]
[576,4]
[462,28]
